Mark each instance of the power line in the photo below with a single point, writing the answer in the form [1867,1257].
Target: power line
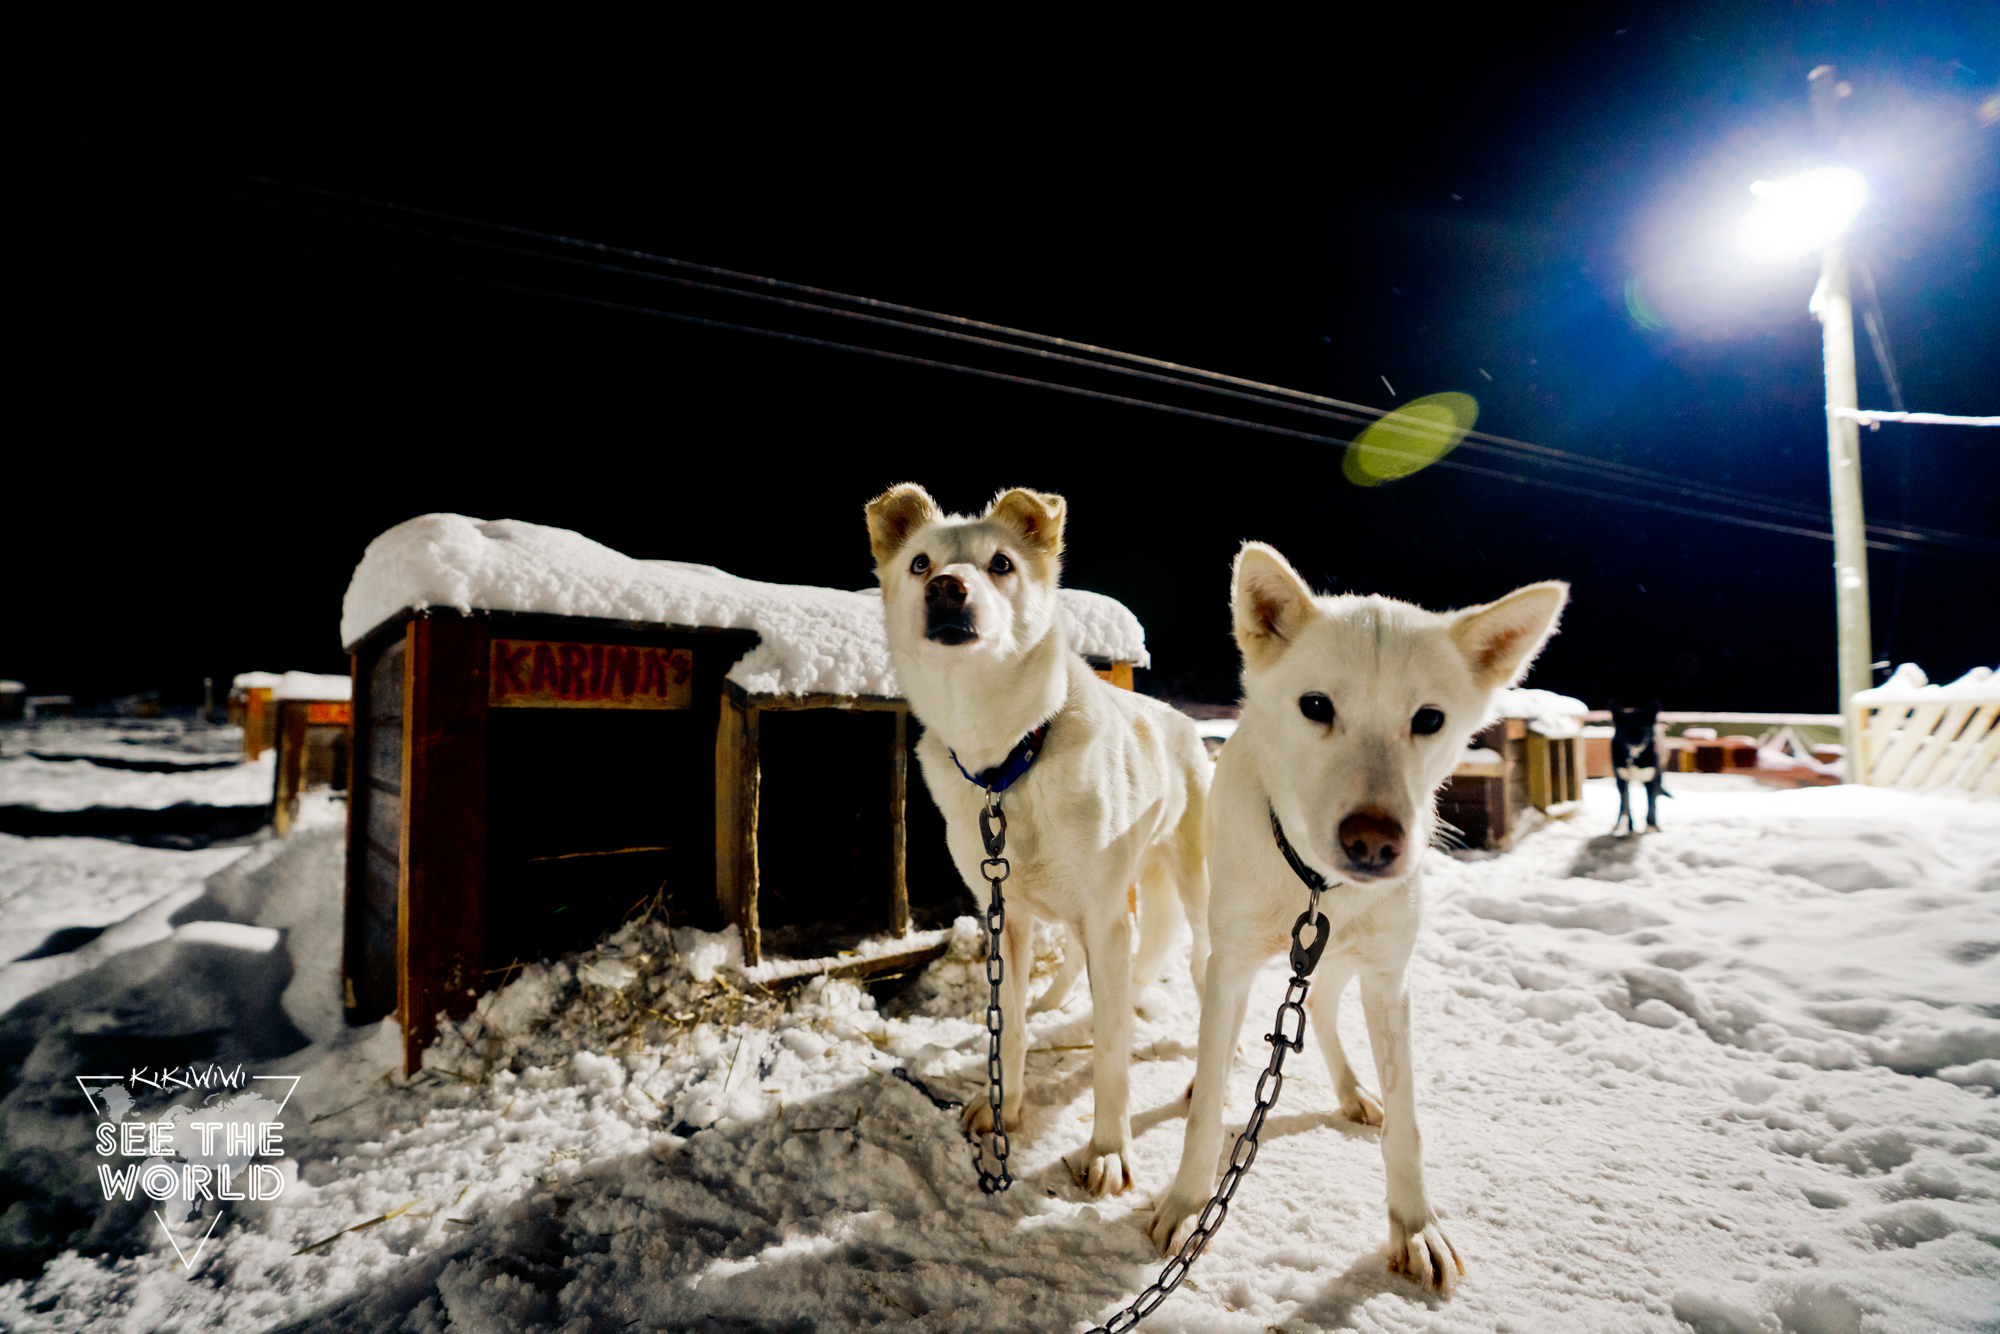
[1168,374]
[1051,349]
[1076,390]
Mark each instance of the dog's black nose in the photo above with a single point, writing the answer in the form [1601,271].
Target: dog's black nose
[947,619]
[945,593]
[1372,839]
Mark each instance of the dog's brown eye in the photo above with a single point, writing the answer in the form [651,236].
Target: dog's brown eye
[920,564]
[1316,707]
[1000,564]
[1426,721]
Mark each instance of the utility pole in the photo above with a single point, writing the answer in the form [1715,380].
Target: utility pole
[1835,309]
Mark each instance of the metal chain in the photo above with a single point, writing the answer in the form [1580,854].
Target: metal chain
[996,869]
[1288,1033]
[942,1104]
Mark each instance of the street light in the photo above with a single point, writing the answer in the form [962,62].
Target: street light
[1802,213]
[1792,217]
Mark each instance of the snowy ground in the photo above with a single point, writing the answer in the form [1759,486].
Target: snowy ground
[1737,1076]
[74,785]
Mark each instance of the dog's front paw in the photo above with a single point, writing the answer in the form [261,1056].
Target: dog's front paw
[1425,1254]
[1173,1219]
[978,1118]
[1109,1174]
[1361,1108]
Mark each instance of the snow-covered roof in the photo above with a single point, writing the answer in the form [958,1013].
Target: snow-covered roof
[1908,685]
[827,640]
[1547,712]
[313,685]
[256,680]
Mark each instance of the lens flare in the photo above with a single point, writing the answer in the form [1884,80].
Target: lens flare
[1640,309]
[1410,439]
[1802,213]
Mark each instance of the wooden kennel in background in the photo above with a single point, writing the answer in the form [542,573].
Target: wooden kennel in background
[314,751]
[252,708]
[1485,798]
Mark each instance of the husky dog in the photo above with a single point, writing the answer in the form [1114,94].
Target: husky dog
[1635,758]
[1355,710]
[1108,815]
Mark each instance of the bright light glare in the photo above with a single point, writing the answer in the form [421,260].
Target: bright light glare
[1802,213]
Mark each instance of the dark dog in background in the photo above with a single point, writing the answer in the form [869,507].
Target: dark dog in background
[1635,758]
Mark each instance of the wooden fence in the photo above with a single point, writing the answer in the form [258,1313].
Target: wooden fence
[1913,735]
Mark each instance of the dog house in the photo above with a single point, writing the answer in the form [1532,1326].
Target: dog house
[252,709]
[315,717]
[550,736]
[1531,755]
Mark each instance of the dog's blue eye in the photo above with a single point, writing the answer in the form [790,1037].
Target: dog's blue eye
[1316,707]
[1000,564]
[1426,721]
[920,564]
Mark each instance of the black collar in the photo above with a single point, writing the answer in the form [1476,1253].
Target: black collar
[1006,773]
[1305,957]
[1314,880]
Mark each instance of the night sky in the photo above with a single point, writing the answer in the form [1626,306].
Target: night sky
[225,393]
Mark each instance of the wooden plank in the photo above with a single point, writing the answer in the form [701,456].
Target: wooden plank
[1874,734]
[1948,772]
[1985,761]
[1118,674]
[1540,789]
[256,721]
[787,703]
[1937,745]
[899,801]
[935,943]
[737,779]
[291,765]
[441,888]
[385,682]
[1766,719]
[357,843]
[1903,747]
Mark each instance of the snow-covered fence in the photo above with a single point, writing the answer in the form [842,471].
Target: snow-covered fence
[1908,733]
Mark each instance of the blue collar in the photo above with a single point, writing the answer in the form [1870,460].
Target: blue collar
[1008,772]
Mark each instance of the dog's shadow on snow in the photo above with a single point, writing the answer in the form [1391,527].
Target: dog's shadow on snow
[1335,1305]
[854,1208]
[857,1207]
[1607,857]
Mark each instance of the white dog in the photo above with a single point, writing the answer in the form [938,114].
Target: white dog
[1355,710]
[1110,814]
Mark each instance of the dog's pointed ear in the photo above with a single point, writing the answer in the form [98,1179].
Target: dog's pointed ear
[1500,639]
[1036,515]
[1269,603]
[894,515]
